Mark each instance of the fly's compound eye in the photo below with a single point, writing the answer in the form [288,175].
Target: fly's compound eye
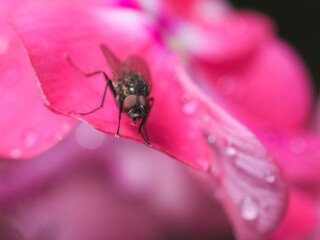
[129,102]
[144,102]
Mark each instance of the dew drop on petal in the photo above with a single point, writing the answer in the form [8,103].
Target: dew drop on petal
[269,177]
[29,138]
[298,145]
[88,137]
[15,153]
[231,151]
[189,106]
[59,136]
[249,209]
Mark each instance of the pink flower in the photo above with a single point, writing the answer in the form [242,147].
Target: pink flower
[184,122]
[74,193]
[26,127]
[263,82]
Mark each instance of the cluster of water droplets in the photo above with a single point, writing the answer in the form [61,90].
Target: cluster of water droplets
[29,138]
[226,155]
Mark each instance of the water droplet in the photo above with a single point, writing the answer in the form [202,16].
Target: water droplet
[88,137]
[249,209]
[59,136]
[211,139]
[29,138]
[189,106]
[270,177]
[15,153]
[298,145]
[4,44]
[231,151]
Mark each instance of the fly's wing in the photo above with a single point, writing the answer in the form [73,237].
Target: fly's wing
[136,64]
[113,62]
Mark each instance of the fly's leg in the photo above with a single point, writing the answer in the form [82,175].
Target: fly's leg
[109,83]
[120,110]
[143,123]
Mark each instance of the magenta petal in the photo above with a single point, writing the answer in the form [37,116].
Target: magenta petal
[229,37]
[301,217]
[26,127]
[183,120]
[270,88]
[251,186]
[298,154]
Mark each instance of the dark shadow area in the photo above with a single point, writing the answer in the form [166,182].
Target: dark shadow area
[298,23]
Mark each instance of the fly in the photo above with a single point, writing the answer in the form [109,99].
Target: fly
[131,87]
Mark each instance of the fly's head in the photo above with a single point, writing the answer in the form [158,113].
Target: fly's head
[135,106]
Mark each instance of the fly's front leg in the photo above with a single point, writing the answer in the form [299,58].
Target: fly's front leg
[143,123]
[119,118]
[109,83]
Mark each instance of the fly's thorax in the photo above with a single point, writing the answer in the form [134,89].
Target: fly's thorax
[133,84]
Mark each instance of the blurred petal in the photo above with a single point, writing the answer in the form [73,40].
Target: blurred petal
[249,183]
[301,217]
[182,114]
[230,37]
[171,200]
[173,10]
[298,154]
[271,88]
[26,125]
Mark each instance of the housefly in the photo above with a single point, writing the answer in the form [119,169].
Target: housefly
[131,87]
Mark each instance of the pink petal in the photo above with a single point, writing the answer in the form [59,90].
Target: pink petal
[182,114]
[182,8]
[168,194]
[231,36]
[271,88]
[298,154]
[301,217]
[78,205]
[27,128]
